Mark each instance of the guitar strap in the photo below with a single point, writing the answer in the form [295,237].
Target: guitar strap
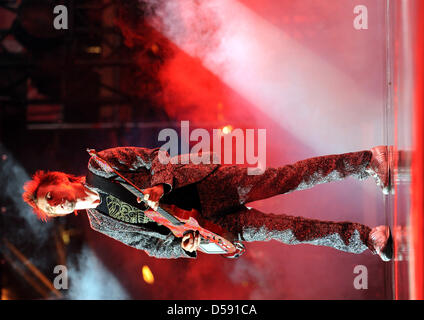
[114,189]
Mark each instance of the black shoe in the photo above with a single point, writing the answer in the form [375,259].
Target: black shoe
[387,251]
[379,168]
[382,241]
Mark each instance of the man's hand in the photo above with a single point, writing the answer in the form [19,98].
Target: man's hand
[191,241]
[152,196]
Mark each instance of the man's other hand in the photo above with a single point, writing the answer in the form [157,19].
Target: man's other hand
[152,196]
[191,241]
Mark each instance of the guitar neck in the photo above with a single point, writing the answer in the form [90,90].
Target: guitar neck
[163,213]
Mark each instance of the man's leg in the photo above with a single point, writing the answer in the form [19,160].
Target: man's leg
[252,225]
[231,186]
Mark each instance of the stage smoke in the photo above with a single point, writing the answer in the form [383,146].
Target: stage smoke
[90,280]
[13,177]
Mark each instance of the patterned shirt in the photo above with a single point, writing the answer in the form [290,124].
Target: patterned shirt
[122,211]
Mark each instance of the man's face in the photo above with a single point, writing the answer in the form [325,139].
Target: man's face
[56,199]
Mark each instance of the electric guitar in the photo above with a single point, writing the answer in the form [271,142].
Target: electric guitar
[182,222]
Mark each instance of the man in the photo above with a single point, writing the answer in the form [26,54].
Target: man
[219,193]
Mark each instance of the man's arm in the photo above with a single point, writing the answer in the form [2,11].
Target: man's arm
[155,247]
[170,248]
[154,244]
[135,159]
[156,166]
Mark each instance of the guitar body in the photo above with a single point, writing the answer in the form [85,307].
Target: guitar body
[211,242]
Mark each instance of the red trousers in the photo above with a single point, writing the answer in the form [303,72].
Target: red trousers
[224,193]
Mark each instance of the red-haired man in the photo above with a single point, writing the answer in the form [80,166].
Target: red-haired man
[219,193]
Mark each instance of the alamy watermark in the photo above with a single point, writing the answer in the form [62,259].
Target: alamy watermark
[60,282]
[360,282]
[360,22]
[209,149]
[61,17]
